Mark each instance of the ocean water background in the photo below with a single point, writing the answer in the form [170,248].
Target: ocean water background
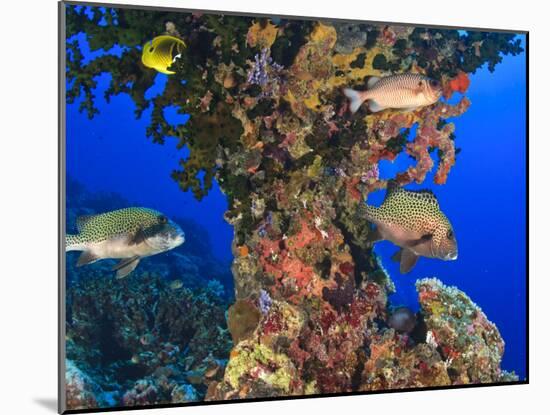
[484,197]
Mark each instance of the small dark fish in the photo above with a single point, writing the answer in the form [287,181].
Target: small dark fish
[176,284]
[402,319]
[147,339]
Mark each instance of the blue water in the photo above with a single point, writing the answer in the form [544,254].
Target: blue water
[484,197]
[111,153]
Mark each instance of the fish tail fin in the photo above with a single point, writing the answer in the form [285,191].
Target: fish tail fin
[73,243]
[356,98]
[367,212]
[362,210]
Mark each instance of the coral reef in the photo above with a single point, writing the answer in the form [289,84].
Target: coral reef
[81,391]
[455,344]
[142,341]
[269,122]
[469,342]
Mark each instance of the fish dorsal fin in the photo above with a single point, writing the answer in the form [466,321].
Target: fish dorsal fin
[392,188]
[426,195]
[373,80]
[82,221]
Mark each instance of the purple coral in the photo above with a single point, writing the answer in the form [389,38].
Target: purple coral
[372,174]
[264,72]
[340,172]
[264,302]
[342,296]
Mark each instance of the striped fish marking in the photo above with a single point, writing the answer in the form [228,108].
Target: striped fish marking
[404,91]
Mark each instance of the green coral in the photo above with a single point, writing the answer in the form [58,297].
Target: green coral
[247,358]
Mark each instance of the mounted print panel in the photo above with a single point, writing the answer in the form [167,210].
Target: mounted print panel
[259,207]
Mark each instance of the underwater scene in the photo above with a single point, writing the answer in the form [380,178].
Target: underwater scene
[263,207]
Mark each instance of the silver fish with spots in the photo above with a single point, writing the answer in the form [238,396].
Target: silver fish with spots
[127,234]
[413,221]
[404,91]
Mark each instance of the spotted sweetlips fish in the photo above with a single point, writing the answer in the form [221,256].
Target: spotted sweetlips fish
[127,234]
[407,92]
[413,221]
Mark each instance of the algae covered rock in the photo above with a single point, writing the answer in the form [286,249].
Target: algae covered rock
[242,319]
[81,390]
[256,370]
[394,363]
[143,341]
[471,344]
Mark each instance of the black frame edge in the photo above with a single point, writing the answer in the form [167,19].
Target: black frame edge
[282,16]
[61,208]
[61,328]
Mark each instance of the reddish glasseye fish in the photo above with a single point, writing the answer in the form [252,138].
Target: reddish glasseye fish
[413,221]
[405,91]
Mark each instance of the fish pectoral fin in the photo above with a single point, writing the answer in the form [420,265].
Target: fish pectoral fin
[415,242]
[86,257]
[408,261]
[397,256]
[125,266]
[374,236]
[374,106]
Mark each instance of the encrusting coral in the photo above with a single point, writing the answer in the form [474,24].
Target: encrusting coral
[459,345]
[142,341]
[269,122]
[466,339]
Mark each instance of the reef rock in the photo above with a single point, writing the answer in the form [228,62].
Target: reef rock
[470,344]
[144,339]
[81,390]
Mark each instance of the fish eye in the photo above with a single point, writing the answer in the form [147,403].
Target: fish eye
[434,83]
[163,219]
[450,233]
